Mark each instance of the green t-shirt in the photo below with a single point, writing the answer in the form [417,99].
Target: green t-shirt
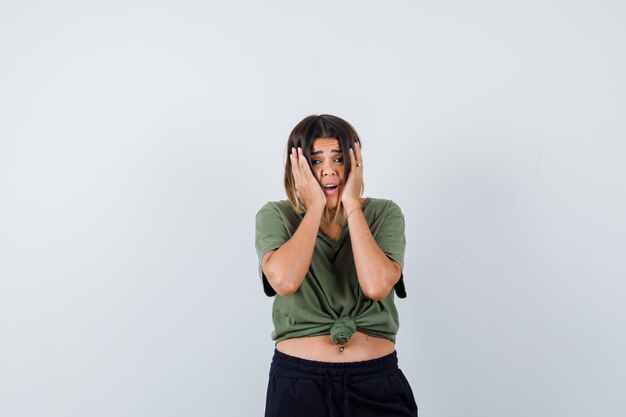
[330,300]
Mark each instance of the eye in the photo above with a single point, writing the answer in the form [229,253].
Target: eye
[340,160]
[315,161]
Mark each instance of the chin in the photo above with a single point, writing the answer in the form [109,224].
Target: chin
[332,205]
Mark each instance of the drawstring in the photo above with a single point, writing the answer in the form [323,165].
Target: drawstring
[330,394]
[346,398]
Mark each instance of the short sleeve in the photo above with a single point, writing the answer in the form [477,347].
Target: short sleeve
[271,233]
[391,240]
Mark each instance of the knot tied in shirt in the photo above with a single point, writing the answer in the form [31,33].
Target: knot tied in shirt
[342,330]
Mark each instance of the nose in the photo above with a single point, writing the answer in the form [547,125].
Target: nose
[328,168]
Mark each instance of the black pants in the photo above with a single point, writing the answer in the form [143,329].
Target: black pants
[303,388]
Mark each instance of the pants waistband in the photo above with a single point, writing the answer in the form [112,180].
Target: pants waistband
[304,368]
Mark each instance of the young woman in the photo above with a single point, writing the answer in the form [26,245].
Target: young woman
[332,260]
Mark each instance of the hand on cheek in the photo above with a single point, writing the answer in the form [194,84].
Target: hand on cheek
[307,186]
[352,190]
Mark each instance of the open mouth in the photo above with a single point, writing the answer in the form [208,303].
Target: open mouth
[330,189]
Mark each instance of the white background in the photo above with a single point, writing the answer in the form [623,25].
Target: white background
[138,139]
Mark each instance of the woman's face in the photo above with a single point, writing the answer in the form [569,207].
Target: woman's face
[327,162]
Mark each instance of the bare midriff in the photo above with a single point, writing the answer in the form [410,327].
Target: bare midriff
[360,347]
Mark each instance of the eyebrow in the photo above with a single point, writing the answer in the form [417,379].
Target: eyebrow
[331,151]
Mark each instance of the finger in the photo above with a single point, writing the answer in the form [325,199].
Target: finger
[293,160]
[305,170]
[357,153]
[352,159]
[301,156]
[296,161]
[295,166]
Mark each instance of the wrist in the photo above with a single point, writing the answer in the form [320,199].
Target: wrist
[316,208]
[351,205]
[350,212]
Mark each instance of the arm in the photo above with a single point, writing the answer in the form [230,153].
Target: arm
[377,274]
[286,267]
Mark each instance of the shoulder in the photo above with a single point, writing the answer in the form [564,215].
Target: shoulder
[382,205]
[278,212]
[280,206]
[383,211]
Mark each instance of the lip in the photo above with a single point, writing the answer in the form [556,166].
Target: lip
[330,191]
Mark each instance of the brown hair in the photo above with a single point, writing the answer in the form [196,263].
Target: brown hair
[303,135]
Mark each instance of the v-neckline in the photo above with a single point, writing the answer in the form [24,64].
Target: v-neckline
[344,229]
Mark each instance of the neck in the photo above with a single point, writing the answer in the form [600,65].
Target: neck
[331,230]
